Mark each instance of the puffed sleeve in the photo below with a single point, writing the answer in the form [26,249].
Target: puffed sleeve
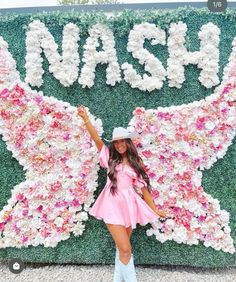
[103,156]
[138,184]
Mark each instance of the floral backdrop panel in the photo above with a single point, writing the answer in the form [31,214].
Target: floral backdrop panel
[168,74]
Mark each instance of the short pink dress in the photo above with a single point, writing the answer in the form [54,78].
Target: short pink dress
[126,207]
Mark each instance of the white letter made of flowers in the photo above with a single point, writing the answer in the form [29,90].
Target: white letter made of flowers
[92,57]
[64,67]
[151,64]
[207,58]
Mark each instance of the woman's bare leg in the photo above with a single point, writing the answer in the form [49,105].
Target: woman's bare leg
[129,231]
[122,241]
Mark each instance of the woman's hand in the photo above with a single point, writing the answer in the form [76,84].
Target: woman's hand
[81,111]
[161,213]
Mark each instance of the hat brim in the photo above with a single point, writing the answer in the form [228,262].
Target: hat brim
[131,135]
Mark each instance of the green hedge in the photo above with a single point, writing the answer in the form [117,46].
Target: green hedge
[114,105]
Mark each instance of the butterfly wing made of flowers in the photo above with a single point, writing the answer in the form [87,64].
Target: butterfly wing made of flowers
[58,156]
[178,142]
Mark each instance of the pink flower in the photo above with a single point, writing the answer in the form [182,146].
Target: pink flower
[75,203]
[60,229]
[201,218]
[161,179]
[4,93]
[61,203]
[224,111]
[66,136]
[161,115]
[55,124]
[38,99]
[20,197]
[139,111]
[19,90]
[198,231]
[2,225]
[165,116]
[15,228]
[58,115]
[147,153]
[35,124]
[45,110]
[44,217]
[5,114]
[226,89]
[25,212]
[39,208]
[155,194]
[152,175]
[162,158]
[200,124]
[9,218]
[24,239]
[231,103]
[19,140]
[45,232]
[176,210]
[188,186]
[55,186]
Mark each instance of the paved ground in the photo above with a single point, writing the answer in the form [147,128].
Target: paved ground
[97,273]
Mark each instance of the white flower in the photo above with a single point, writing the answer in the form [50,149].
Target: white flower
[79,229]
[151,63]
[224,216]
[59,221]
[207,58]
[65,67]
[35,223]
[227,229]
[92,57]
[82,216]
[180,234]
[150,232]
[170,224]
[11,75]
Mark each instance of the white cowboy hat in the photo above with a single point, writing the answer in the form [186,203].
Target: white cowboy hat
[122,133]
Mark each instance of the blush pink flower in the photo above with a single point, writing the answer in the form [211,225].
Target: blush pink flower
[24,239]
[55,186]
[5,114]
[66,136]
[20,197]
[138,111]
[147,153]
[161,179]
[2,226]
[200,123]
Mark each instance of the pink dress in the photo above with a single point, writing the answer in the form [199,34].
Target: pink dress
[126,207]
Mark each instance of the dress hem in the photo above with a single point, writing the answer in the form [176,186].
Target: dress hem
[122,224]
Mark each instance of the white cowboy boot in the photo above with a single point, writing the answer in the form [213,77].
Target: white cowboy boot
[117,272]
[128,270]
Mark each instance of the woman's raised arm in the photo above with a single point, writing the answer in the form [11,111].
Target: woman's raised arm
[81,111]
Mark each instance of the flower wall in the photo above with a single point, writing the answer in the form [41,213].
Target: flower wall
[170,75]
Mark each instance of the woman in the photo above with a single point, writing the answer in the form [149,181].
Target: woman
[126,199]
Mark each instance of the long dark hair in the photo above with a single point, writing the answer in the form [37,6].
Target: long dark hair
[134,161]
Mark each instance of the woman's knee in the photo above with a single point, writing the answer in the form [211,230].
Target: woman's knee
[125,251]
